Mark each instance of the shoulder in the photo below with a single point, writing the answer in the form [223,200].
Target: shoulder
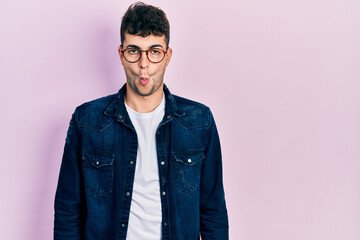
[96,105]
[184,102]
[91,114]
[194,113]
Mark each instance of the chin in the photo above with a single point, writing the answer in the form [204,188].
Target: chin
[144,92]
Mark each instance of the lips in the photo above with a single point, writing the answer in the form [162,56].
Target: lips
[144,81]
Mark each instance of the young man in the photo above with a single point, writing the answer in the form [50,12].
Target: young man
[141,164]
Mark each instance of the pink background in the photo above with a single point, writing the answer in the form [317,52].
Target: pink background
[282,78]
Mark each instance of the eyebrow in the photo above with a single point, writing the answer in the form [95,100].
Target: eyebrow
[152,46]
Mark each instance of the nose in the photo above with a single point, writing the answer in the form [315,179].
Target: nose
[144,61]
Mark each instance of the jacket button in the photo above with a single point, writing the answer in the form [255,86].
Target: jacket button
[162,163]
[120,116]
[163,193]
[128,194]
[165,224]
[169,116]
[97,163]
[123,225]
[189,160]
[131,162]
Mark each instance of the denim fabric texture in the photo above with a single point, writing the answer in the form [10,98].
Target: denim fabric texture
[96,178]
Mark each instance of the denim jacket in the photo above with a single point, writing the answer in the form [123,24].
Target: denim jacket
[96,178]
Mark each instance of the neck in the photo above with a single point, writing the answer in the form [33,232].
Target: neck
[143,104]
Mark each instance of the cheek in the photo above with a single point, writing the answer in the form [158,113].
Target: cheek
[158,69]
[130,70]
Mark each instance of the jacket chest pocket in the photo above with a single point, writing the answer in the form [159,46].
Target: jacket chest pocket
[188,170]
[98,170]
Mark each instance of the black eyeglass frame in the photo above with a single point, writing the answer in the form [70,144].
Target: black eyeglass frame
[141,51]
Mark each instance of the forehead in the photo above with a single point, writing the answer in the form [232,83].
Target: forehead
[144,42]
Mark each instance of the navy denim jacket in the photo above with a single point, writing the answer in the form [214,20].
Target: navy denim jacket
[97,172]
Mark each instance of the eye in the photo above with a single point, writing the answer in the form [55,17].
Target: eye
[154,51]
[132,51]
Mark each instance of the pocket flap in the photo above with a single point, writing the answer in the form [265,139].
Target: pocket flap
[189,158]
[98,159]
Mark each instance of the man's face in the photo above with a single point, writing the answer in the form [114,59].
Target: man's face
[144,77]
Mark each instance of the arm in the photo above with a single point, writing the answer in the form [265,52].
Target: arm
[213,213]
[69,198]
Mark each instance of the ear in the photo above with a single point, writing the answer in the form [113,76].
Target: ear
[121,55]
[168,56]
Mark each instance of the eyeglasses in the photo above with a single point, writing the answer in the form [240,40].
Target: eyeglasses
[154,55]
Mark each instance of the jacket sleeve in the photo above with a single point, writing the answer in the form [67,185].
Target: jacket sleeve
[213,213]
[69,198]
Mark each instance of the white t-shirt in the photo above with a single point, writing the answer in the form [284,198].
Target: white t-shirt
[145,210]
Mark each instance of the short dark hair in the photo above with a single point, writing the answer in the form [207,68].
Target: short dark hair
[143,20]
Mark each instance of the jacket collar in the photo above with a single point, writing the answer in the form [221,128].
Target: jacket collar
[117,107]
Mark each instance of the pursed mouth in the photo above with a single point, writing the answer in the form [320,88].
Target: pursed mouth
[144,80]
